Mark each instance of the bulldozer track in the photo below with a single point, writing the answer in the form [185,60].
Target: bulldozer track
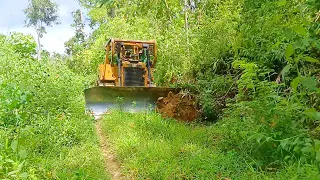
[110,162]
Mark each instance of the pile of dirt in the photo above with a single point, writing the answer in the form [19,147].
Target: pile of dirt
[178,106]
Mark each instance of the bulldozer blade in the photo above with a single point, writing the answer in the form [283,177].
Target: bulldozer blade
[133,99]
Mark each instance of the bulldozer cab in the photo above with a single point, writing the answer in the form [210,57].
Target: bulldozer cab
[128,63]
[130,50]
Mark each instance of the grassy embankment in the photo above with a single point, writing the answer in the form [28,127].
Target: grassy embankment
[148,146]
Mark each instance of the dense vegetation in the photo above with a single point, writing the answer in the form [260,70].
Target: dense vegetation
[43,128]
[151,147]
[254,66]
[254,63]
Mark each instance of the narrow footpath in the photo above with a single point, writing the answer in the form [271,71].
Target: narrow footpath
[110,163]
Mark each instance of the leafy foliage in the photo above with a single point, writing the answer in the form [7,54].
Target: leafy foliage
[77,42]
[253,64]
[43,127]
[41,13]
[192,151]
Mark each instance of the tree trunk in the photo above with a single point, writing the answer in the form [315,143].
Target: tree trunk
[186,8]
[39,46]
[168,10]
[38,30]
[186,24]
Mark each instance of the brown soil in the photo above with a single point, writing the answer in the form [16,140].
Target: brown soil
[111,165]
[178,106]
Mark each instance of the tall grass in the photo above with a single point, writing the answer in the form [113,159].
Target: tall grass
[44,132]
[149,147]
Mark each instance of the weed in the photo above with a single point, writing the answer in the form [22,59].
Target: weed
[44,133]
[151,147]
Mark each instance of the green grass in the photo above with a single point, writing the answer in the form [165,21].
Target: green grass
[148,146]
[61,149]
[151,147]
[44,132]
[81,161]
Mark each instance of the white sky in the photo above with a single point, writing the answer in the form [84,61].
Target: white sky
[12,19]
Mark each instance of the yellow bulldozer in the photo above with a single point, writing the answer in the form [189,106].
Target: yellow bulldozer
[125,79]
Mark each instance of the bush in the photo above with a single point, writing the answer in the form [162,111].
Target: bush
[42,117]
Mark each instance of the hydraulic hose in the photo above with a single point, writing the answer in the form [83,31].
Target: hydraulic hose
[149,67]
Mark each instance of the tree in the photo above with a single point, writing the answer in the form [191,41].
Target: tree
[78,25]
[39,14]
[76,43]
